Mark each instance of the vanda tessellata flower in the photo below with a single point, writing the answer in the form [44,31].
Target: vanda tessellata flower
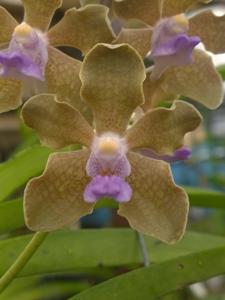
[29,61]
[112,78]
[179,68]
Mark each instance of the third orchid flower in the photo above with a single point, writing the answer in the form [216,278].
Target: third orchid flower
[30,61]
[179,68]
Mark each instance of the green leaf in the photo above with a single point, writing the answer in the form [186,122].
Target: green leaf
[198,197]
[160,279]
[11,215]
[67,251]
[221,70]
[206,198]
[34,287]
[18,170]
[218,180]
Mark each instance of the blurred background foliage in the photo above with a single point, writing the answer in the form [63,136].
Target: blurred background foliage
[83,262]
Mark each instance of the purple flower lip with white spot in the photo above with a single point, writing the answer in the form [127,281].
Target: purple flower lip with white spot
[181,154]
[108,166]
[107,186]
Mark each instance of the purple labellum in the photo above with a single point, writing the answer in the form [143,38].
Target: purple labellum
[14,64]
[107,186]
[180,154]
[176,44]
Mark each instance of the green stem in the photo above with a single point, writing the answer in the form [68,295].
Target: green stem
[23,258]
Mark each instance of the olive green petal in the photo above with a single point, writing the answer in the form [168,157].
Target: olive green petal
[173,7]
[58,124]
[163,130]
[62,77]
[82,28]
[138,38]
[213,36]
[10,94]
[8,23]
[158,207]
[146,10]
[112,78]
[154,94]
[199,81]
[55,199]
[39,13]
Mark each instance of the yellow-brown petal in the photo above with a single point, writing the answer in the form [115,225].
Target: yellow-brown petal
[82,28]
[158,207]
[112,78]
[62,77]
[8,23]
[58,124]
[214,37]
[199,81]
[39,13]
[154,94]
[145,10]
[174,7]
[55,199]
[10,94]
[163,130]
[139,38]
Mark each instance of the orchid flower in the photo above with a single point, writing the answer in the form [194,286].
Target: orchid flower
[179,68]
[154,11]
[31,64]
[112,77]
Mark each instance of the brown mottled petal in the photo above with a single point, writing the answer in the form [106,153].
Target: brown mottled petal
[158,207]
[82,28]
[173,7]
[10,94]
[87,2]
[58,124]
[199,81]
[139,38]
[214,37]
[39,13]
[55,199]
[8,23]
[112,77]
[163,130]
[62,76]
[154,94]
[145,10]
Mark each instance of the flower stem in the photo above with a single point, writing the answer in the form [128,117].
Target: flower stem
[143,248]
[21,261]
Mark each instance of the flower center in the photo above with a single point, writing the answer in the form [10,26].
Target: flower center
[22,32]
[26,56]
[108,166]
[108,146]
[182,22]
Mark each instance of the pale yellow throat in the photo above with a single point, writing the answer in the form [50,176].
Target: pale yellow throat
[22,31]
[181,20]
[108,146]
